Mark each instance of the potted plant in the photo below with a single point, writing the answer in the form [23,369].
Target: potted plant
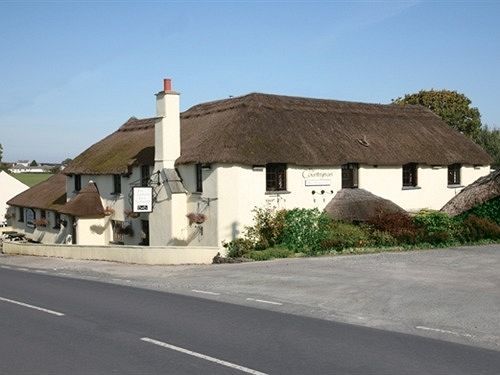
[40,222]
[195,218]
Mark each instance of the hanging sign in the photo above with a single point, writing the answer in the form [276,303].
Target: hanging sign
[142,199]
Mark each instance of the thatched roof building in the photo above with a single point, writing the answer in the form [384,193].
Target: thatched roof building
[480,191]
[358,205]
[256,129]
[87,203]
[47,195]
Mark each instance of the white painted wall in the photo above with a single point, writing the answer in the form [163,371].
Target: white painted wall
[9,188]
[47,234]
[239,189]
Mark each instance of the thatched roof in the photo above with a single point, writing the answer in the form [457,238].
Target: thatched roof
[480,191]
[46,195]
[132,144]
[257,129]
[358,205]
[87,203]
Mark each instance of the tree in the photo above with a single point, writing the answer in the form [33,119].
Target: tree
[490,141]
[1,152]
[66,161]
[453,107]
[34,164]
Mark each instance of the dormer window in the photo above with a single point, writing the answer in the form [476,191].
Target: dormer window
[78,182]
[117,184]
[199,178]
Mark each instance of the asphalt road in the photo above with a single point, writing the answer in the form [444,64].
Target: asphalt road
[57,325]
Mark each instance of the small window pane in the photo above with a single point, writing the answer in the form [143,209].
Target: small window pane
[454,174]
[145,175]
[199,179]
[275,177]
[117,184]
[410,174]
[78,182]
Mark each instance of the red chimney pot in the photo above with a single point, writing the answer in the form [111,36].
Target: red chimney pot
[167,84]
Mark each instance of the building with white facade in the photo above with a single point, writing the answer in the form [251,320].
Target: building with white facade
[205,169]
[9,187]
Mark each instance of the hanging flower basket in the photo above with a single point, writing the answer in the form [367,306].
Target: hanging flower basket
[195,218]
[42,222]
[108,211]
[131,214]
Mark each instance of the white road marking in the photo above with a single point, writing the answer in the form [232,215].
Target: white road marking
[203,356]
[444,331]
[40,271]
[7,267]
[264,301]
[63,273]
[205,292]
[31,306]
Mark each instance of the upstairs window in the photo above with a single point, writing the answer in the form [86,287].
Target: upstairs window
[350,176]
[117,184]
[275,177]
[199,178]
[410,175]
[454,174]
[78,182]
[145,175]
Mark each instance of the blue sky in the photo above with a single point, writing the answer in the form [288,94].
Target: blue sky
[73,72]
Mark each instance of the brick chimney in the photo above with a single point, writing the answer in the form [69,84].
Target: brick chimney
[167,129]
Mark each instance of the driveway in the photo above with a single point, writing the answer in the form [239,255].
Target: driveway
[450,294]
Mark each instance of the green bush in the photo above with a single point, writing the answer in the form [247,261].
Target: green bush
[272,253]
[380,238]
[305,230]
[475,228]
[267,229]
[489,210]
[238,247]
[438,227]
[344,235]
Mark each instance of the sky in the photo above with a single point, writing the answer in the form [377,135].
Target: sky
[71,72]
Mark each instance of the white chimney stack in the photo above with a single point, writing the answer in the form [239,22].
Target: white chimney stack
[167,129]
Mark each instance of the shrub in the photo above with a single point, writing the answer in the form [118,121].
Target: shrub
[489,210]
[272,253]
[475,228]
[438,227]
[399,225]
[305,230]
[268,227]
[380,238]
[238,247]
[343,235]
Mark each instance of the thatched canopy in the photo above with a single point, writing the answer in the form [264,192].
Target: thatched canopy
[480,191]
[46,195]
[87,203]
[257,129]
[358,205]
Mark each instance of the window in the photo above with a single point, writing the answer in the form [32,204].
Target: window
[199,178]
[454,174]
[350,175]
[410,175]
[275,177]
[117,231]
[57,220]
[117,184]
[21,215]
[78,182]
[144,232]
[145,175]
[30,217]
[43,214]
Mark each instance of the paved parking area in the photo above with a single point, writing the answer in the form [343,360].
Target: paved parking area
[451,294]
